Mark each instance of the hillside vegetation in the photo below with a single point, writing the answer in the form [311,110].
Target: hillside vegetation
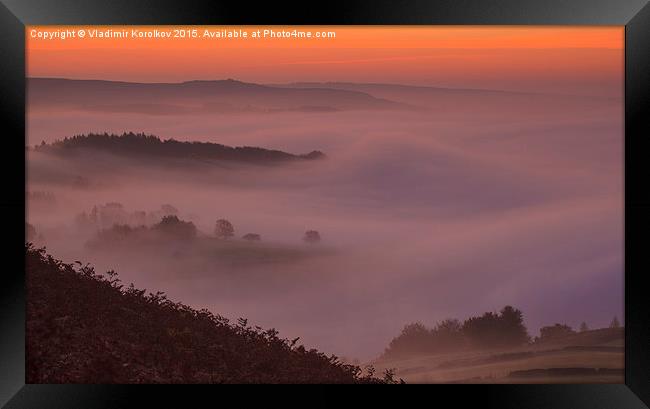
[84,327]
[141,145]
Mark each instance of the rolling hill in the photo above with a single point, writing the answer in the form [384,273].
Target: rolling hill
[193,97]
[459,101]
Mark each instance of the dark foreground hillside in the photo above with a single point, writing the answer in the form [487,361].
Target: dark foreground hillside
[83,327]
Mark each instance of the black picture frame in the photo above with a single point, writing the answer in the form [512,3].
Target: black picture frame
[633,14]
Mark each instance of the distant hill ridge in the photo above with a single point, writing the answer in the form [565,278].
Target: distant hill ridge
[207,96]
[140,144]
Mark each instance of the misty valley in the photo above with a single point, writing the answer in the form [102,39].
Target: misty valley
[441,235]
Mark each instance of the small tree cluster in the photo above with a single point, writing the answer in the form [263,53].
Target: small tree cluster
[553,332]
[109,214]
[224,229]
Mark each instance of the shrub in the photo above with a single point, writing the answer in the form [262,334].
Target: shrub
[311,236]
[252,237]
[557,331]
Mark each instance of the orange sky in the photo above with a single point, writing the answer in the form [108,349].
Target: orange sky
[586,60]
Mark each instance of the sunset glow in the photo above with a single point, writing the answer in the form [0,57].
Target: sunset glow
[583,60]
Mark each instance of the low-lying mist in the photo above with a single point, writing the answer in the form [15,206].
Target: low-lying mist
[422,217]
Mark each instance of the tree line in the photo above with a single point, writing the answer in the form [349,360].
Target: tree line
[124,224]
[140,144]
[501,329]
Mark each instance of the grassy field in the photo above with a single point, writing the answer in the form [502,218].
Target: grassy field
[591,357]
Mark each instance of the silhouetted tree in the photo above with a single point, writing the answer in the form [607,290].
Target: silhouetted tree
[557,331]
[512,321]
[584,327]
[448,335]
[223,229]
[311,236]
[252,237]
[496,330]
[615,323]
[415,338]
[178,228]
[483,330]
